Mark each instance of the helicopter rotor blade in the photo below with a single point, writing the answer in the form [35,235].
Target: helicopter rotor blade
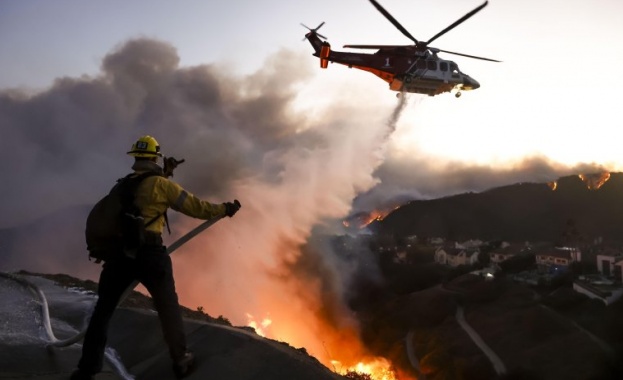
[464,55]
[457,22]
[376,46]
[393,21]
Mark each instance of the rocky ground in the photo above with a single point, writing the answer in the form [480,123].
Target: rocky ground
[222,351]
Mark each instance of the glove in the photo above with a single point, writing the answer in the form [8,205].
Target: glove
[232,207]
[170,164]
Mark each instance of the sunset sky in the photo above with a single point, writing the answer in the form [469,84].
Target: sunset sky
[556,92]
[232,88]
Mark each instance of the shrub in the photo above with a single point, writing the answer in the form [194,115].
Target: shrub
[357,375]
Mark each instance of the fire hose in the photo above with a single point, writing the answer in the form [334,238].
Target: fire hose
[53,340]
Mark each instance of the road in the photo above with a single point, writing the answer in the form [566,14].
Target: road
[415,363]
[495,360]
[497,363]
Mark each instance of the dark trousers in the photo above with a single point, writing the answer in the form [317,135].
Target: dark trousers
[152,268]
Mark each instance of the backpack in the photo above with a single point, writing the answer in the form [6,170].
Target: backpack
[115,226]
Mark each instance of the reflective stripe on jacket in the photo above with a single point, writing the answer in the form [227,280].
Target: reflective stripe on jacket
[156,194]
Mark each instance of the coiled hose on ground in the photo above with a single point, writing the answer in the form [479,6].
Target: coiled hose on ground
[53,341]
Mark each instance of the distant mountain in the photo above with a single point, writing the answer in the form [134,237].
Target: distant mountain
[576,207]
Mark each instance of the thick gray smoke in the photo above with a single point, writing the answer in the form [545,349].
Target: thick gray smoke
[241,138]
[64,146]
[402,179]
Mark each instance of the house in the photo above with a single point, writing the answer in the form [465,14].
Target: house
[605,286]
[455,256]
[412,239]
[557,258]
[598,287]
[610,264]
[507,250]
[436,241]
[574,252]
[472,243]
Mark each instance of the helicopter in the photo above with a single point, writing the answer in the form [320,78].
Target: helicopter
[407,68]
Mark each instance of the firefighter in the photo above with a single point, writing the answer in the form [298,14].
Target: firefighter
[151,266]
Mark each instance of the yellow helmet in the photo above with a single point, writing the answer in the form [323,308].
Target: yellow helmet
[145,146]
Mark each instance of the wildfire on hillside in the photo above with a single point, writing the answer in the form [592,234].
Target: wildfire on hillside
[378,369]
[363,219]
[596,180]
[593,181]
[259,326]
[553,185]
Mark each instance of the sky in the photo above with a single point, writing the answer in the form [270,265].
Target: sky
[555,93]
[235,90]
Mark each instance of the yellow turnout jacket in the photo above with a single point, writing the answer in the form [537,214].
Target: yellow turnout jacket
[156,194]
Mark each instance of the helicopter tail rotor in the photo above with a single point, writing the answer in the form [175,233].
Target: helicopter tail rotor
[315,30]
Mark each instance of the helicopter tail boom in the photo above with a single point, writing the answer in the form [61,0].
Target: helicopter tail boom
[322,49]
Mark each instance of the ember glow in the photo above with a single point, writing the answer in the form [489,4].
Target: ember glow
[260,327]
[362,220]
[553,185]
[595,181]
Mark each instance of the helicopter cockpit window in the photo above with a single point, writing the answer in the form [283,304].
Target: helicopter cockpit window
[431,65]
[455,69]
[420,64]
[443,66]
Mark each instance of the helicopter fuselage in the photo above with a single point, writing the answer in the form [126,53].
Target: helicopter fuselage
[407,68]
[404,68]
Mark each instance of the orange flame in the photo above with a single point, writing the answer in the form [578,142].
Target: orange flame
[261,326]
[552,185]
[377,368]
[362,220]
[596,180]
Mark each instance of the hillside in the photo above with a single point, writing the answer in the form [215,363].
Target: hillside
[536,338]
[223,351]
[519,212]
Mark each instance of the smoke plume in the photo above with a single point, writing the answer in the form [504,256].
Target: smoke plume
[241,138]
